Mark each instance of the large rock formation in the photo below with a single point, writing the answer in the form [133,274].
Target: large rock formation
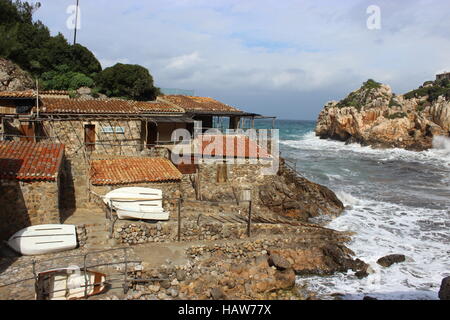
[293,196]
[373,115]
[13,78]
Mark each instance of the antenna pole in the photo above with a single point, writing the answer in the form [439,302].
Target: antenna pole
[76,24]
[37,97]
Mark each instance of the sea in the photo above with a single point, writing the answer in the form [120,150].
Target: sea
[397,202]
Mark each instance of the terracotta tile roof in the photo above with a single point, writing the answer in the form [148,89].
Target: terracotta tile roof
[241,147]
[133,170]
[54,92]
[30,161]
[77,106]
[199,104]
[17,94]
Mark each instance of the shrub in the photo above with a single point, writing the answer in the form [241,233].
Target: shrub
[358,98]
[127,81]
[397,115]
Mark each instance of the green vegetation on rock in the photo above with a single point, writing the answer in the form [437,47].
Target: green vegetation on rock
[30,45]
[433,90]
[397,115]
[359,98]
[60,65]
[394,103]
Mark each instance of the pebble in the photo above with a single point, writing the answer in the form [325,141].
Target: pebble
[162,296]
[154,288]
[173,293]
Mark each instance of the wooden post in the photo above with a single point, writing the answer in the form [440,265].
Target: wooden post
[2,129]
[198,185]
[125,280]
[179,219]
[249,232]
[36,285]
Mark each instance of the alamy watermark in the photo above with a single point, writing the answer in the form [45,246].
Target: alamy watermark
[374,19]
[74,20]
[252,146]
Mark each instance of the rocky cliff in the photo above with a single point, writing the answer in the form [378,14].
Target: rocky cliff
[374,115]
[13,78]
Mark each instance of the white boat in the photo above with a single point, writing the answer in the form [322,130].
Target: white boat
[42,239]
[137,203]
[69,284]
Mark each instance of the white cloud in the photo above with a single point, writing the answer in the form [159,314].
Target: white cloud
[309,51]
[184,61]
[105,62]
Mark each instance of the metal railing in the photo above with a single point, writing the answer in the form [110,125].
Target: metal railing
[84,268]
[113,218]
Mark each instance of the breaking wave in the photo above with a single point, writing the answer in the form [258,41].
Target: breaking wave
[441,143]
[397,201]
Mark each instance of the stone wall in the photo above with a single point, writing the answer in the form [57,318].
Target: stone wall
[245,176]
[141,232]
[23,204]
[71,133]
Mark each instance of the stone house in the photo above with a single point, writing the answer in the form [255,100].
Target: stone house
[442,76]
[111,126]
[30,178]
[159,173]
[105,130]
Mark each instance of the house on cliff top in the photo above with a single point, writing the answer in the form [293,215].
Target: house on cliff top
[442,76]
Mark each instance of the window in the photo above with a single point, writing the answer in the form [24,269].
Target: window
[120,130]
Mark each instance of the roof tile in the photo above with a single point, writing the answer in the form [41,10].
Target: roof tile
[18,94]
[133,170]
[30,161]
[199,104]
[95,106]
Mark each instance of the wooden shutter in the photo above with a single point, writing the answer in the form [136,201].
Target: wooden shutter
[27,131]
[89,137]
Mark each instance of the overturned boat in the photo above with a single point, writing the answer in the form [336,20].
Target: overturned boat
[137,203]
[69,284]
[43,239]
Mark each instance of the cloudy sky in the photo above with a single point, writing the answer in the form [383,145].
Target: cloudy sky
[285,58]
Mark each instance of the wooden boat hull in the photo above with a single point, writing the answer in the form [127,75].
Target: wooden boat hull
[69,284]
[43,239]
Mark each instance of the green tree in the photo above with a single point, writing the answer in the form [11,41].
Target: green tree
[127,81]
[30,45]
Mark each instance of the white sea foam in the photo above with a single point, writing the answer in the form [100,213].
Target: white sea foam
[421,232]
[347,199]
[441,143]
[385,228]
[439,155]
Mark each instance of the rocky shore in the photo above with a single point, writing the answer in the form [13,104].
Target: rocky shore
[374,115]
[256,269]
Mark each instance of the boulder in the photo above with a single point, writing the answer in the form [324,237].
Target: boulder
[444,292]
[279,262]
[389,260]
[324,260]
[13,78]
[217,294]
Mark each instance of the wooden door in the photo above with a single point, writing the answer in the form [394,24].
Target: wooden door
[89,137]
[222,172]
[27,131]
[152,134]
